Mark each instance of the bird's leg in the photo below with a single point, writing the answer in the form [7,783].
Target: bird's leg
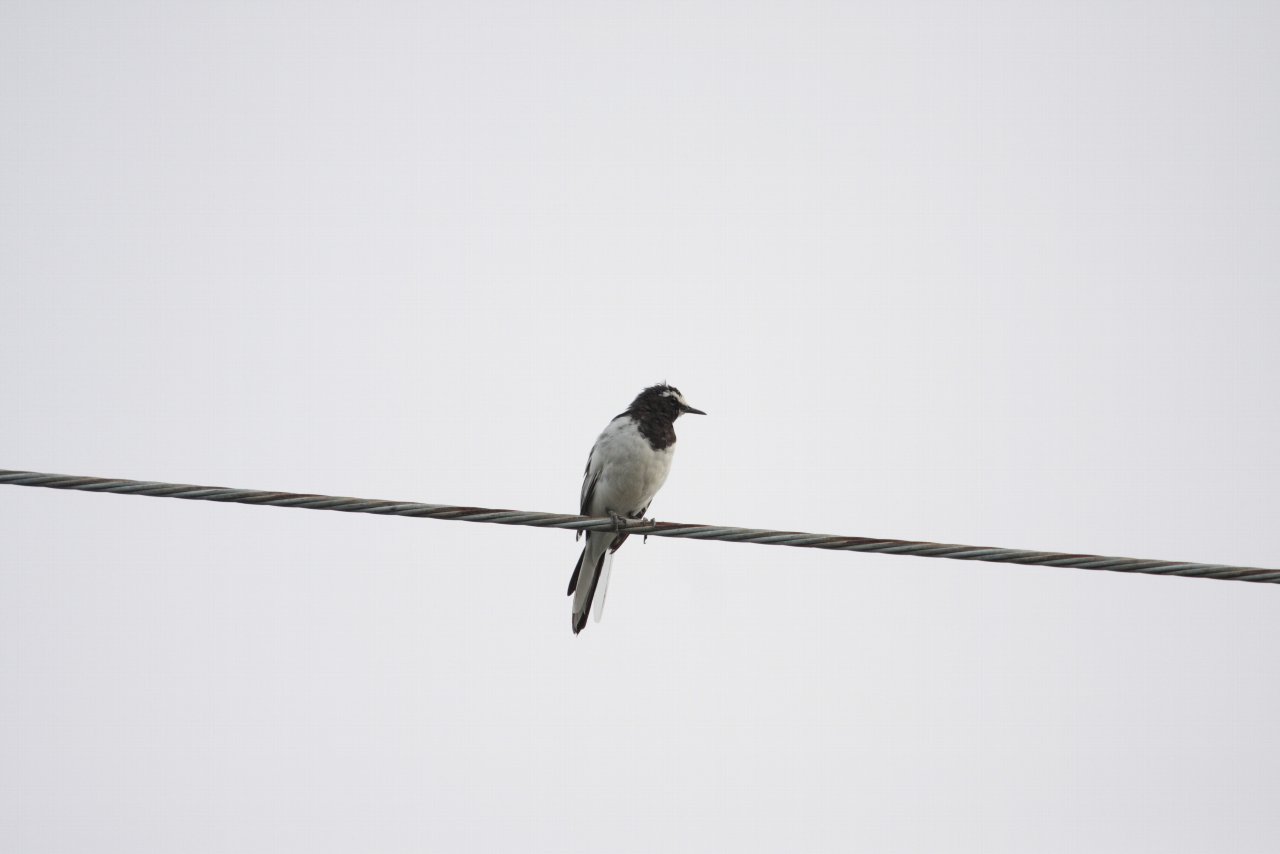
[619,521]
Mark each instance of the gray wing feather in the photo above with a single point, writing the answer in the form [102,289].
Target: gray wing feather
[589,481]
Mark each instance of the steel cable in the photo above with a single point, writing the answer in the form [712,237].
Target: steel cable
[570,521]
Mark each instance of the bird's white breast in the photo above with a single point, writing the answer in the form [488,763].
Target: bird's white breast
[631,471]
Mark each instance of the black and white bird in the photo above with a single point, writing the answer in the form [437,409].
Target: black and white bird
[626,468]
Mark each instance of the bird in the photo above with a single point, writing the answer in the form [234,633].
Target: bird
[627,466]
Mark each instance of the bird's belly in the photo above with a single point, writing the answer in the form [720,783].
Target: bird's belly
[633,479]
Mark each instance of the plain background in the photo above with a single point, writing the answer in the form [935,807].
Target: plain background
[994,273]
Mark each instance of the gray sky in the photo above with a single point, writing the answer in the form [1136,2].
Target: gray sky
[995,273]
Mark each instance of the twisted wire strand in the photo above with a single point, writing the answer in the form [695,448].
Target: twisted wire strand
[570,521]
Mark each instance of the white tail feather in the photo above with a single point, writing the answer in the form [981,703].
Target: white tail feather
[602,587]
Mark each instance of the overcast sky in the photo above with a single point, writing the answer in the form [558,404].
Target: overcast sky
[992,273]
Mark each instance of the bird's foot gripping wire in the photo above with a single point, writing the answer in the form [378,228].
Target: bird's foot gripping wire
[619,521]
[647,522]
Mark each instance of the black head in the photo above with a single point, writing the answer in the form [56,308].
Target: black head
[662,400]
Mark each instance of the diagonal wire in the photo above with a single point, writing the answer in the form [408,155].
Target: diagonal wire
[657,529]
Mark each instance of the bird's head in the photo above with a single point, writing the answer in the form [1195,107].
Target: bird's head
[665,400]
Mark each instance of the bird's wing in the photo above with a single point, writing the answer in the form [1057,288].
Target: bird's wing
[588,491]
[590,477]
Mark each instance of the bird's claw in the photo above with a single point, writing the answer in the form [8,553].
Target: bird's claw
[619,521]
[647,522]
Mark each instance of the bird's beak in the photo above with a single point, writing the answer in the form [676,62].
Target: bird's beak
[689,409]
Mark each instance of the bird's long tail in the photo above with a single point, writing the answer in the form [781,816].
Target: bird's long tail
[589,576]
